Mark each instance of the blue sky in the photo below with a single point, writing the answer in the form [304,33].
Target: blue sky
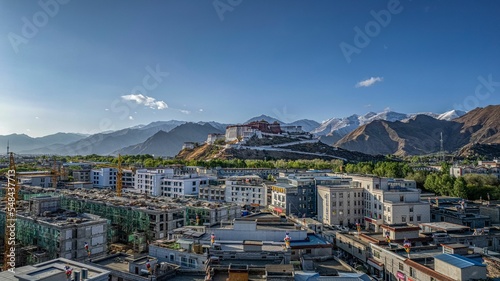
[85,66]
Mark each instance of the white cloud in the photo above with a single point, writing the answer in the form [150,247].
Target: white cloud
[146,101]
[106,109]
[201,109]
[37,117]
[369,82]
[130,118]
[184,111]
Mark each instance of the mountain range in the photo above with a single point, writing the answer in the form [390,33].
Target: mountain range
[424,134]
[385,132]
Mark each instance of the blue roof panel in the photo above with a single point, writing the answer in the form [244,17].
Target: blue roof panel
[458,260]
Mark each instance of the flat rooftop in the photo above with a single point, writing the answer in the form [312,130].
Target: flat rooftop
[50,269]
[128,200]
[312,240]
[444,226]
[119,263]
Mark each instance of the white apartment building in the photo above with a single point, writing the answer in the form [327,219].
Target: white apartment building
[405,207]
[180,186]
[339,203]
[42,180]
[389,201]
[246,190]
[103,177]
[149,181]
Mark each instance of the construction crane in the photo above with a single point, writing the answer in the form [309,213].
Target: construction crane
[56,173]
[11,197]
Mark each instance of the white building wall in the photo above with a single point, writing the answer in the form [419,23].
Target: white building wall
[149,181]
[103,177]
[406,213]
[181,186]
[340,205]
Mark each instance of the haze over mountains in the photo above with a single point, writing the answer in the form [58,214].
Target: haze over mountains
[385,132]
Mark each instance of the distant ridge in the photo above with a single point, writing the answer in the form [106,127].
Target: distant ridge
[421,134]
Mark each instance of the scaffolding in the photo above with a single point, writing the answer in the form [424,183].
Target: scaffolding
[33,241]
[123,220]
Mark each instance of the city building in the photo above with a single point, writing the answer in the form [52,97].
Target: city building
[294,195]
[149,181]
[483,168]
[188,145]
[124,267]
[35,178]
[181,186]
[59,269]
[104,177]
[460,214]
[82,175]
[212,138]
[390,201]
[246,190]
[45,232]
[339,203]
[213,192]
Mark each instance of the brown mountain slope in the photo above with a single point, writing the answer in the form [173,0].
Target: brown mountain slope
[422,134]
[483,123]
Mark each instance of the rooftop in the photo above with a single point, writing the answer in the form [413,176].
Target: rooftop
[444,226]
[312,240]
[50,269]
[128,200]
[458,261]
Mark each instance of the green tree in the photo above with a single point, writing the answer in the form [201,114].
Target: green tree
[460,188]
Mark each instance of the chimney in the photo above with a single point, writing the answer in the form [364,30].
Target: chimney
[85,274]
[77,275]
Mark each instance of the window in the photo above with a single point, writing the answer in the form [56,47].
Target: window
[419,217]
[412,272]
[411,218]
[411,209]
[401,198]
[401,267]
[403,218]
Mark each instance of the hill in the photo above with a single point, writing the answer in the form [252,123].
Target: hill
[292,151]
[170,143]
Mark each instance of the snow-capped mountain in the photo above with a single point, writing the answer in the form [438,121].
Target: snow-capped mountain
[450,115]
[343,126]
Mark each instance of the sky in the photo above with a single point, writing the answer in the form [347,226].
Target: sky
[92,66]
